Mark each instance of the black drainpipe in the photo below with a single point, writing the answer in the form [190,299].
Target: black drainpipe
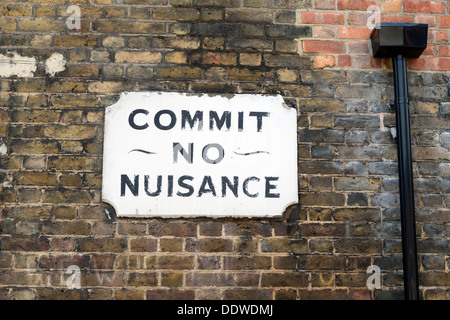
[400,41]
[406,180]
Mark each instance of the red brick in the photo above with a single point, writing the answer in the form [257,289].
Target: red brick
[322,61]
[319,46]
[391,6]
[326,4]
[357,18]
[438,35]
[424,6]
[430,20]
[344,61]
[424,63]
[429,51]
[354,33]
[327,32]
[444,21]
[323,17]
[444,64]
[359,47]
[397,18]
[356,5]
[443,50]
[366,62]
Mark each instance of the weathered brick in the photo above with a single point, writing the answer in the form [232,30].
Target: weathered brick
[102,245]
[314,167]
[320,262]
[250,44]
[172,279]
[210,229]
[67,227]
[142,279]
[33,147]
[322,246]
[217,3]
[67,101]
[70,132]
[62,262]
[174,262]
[171,245]
[102,278]
[285,262]
[357,214]
[226,29]
[322,230]
[62,244]
[245,245]
[213,245]
[284,280]
[209,279]
[143,245]
[170,294]
[247,263]
[246,229]
[66,196]
[323,46]
[25,244]
[178,57]
[357,184]
[285,60]
[124,294]
[180,229]
[36,178]
[322,199]
[178,14]
[72,163]
[214,58]
[245,294]
[137,57]
[208,262]
[6,260]
[248,15]
[359,246]
[284,245]
[41,25]
[141,27]
[38,116]
[178,73]
[75,41]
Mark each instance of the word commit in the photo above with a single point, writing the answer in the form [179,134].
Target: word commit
[166,119]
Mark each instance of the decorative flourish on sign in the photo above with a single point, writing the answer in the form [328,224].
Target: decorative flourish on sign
[143,151]
[251,153]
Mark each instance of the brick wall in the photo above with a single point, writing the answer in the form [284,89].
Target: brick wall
[315,53]
[340,32]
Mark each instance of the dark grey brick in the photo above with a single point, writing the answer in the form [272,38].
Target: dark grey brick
[287,31]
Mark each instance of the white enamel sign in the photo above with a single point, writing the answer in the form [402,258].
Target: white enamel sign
[199,155]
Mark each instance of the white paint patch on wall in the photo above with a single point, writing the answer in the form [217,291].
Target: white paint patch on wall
[54,64]
[16,65]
